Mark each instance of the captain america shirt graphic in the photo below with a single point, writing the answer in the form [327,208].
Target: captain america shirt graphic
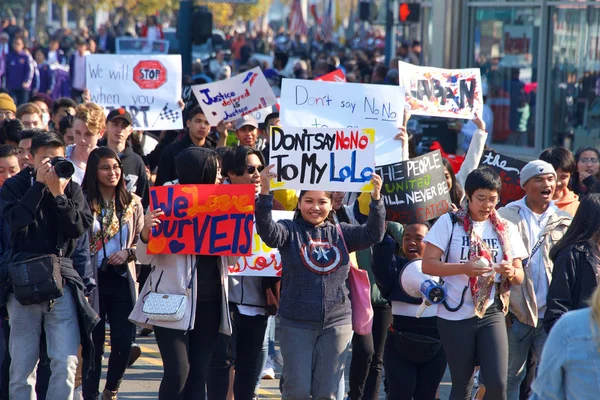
[321,257]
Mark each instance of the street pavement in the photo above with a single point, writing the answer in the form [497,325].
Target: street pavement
[143,378]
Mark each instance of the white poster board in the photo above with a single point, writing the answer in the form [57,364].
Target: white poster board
[437,92]
[264,260]
[231,99]
[148,86]
[331,159]
[320,104]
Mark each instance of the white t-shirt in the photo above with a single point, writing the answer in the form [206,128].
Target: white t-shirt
[79,172]
[439,236]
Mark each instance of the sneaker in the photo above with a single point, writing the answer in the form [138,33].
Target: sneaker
[135,353]
[278,358]
[109,395]
[268,372]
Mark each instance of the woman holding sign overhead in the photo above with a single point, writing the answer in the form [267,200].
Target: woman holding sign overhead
[186,344]
[314,310]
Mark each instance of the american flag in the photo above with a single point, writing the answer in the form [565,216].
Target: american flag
[328,24]
[297,23]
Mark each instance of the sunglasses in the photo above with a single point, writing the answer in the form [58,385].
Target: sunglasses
[252,169]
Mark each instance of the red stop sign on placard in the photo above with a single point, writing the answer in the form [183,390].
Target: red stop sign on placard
[149,74]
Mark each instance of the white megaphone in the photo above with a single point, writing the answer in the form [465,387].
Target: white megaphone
[418,285]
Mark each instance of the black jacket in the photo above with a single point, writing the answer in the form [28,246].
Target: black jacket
[167,168]
[35,218]
[573,282]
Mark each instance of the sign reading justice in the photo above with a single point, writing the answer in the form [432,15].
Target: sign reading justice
[203,219]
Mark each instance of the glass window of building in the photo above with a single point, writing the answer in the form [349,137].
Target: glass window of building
[505,44]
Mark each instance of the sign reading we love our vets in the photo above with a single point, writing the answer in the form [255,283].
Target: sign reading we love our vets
[318,104]
[203,219]
[264,260]
[323,158]
[148,86]
[436,92]
[235,97]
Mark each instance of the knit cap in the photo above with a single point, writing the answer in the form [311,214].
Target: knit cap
[7,103]
[535,168]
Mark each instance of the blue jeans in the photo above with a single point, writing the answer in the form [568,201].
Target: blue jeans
[268,349]
[62,340]
[313,359]
[522,338]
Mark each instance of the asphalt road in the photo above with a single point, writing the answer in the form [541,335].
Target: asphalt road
[143,378]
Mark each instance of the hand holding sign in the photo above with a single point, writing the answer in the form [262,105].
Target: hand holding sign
[265,179]
[377,182]
[479,123]
[151,219]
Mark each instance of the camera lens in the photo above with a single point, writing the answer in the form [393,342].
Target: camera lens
[63,167]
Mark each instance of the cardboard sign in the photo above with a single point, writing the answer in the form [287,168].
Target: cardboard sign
[323,158]
[509,169]
[318,104]
[148,86]
[335,76]
[415,190]
[233,98]
[437,92]
[264,260]
[203,219]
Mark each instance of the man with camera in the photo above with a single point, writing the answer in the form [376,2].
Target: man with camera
[47,213]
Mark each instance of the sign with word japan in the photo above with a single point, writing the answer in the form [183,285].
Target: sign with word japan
[203,219]
[235,97]
[437,92]
[332,159]
[509,170]
[415,190]
[319,104]
[148,86]
[264,260]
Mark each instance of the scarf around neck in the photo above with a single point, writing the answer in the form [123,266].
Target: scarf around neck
[481,286]
[110,223]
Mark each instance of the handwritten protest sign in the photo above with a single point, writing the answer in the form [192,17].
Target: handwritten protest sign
[323,158]
[148,86]
[449,93]
[203,219]
[415,190]
[335,76]
[348,105]
[233,98]
[509,169]
[264,260]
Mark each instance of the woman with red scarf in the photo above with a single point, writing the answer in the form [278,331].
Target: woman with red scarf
[478,254]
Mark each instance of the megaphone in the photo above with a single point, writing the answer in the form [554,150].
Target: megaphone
[418,285]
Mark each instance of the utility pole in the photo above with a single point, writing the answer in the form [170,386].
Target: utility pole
[184,31]
[390,31]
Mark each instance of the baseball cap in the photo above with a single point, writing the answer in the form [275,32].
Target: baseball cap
[246,120]
[119,113]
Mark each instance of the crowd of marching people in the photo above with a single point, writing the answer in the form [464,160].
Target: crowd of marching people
[74,198]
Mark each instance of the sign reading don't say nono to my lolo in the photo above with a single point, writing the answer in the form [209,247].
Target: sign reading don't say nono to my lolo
[323,158]
[203,219]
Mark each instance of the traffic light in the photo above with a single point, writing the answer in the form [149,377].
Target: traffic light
[201,26]
[409,12]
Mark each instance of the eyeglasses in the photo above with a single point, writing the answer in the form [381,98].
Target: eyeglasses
[588,160]
[252,169]
[107,168]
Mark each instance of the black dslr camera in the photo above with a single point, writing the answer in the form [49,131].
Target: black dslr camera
[63,167]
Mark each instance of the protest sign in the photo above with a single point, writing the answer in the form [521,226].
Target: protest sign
[415,190]
[437,92]
[233,98]
[335,76]
[264,260]
[509,169]
[320,104]
[148,86]
[323,158]
[203,219]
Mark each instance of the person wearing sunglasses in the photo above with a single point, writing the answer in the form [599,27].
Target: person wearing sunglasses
[252,298]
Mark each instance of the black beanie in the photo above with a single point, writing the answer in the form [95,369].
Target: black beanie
[193,166]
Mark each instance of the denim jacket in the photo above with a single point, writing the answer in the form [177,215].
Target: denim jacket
[570,365]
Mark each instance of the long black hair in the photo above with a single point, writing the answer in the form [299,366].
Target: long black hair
[90,185]
[456,193]
[584,226]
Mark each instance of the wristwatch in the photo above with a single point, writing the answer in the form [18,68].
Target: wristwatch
[61,200]
[131,254]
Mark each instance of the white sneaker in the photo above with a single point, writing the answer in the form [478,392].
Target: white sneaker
[278,358]
[268,373]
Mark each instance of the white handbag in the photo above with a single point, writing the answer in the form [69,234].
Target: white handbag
[165,306]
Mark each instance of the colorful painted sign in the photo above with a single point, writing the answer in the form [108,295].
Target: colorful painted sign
[509,170]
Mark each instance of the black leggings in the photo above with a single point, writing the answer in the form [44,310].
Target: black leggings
[472,339]
[366,366]
[115,304]
[186,355]
[408,378]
